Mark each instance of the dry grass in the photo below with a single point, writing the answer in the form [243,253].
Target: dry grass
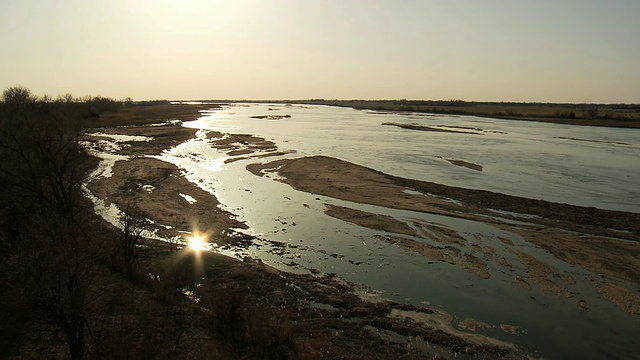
[614,115]
[150,114]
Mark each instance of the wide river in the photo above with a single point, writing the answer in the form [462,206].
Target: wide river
[586,166]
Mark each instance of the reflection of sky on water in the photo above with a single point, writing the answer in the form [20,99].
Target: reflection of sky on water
[530,159]
[520,158]
[536,160]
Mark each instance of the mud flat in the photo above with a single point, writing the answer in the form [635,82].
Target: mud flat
[553,251]
[603,242]
[160,191]
[271,117]
[340,179]
[463,163]
[321,310]
[428,128]
[466,164]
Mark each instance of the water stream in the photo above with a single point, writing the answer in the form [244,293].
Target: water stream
[579,165]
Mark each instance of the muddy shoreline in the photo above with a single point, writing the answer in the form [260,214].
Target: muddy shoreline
[602,241]
[569,114]
[175,207]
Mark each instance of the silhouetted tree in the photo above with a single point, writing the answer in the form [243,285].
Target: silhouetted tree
[66,98]
[133,225]
[18,95]
[43,225]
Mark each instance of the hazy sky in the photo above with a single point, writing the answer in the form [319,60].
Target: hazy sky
[485,50]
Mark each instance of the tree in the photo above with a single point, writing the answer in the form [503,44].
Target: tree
[66,98]
[18,95]
[589,111]
[133,225]
[44,225]
[58,262]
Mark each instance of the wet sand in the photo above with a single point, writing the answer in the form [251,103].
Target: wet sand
[466,164]
[428,128]
[176,207]
[271,117]
[161,192]
[596,240]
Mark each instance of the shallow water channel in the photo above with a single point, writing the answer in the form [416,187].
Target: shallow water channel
[578,165]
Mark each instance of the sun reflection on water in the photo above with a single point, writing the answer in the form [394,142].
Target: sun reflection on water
[198,241]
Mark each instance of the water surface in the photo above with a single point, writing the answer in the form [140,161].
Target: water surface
[579,165]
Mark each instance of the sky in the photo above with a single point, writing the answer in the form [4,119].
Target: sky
[475,50]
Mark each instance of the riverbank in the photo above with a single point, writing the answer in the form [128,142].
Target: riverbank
[603,244]
[306,316]
[177,301]
[608,115]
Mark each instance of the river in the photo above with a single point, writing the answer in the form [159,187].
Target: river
[586,166]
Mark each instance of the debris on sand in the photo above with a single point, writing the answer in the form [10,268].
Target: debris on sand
[270,117]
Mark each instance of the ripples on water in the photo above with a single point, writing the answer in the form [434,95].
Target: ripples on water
[579,165]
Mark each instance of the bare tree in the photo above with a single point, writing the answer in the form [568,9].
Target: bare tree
[41,168]
[18,95]
[133,225]
[60,262]
[66,98]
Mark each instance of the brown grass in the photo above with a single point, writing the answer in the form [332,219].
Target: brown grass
[151,114]
[613,115]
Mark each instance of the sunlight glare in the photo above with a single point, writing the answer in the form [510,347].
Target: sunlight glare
[197,242]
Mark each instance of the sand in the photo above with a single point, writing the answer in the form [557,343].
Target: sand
[165,196]
[428,128]
[155,187]
[603,242]
[596,240]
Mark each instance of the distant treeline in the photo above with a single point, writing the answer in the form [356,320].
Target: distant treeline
[86,106]
[463,103]
[510,110]
[622,113]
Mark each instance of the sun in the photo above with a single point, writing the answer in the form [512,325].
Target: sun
[197,241]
